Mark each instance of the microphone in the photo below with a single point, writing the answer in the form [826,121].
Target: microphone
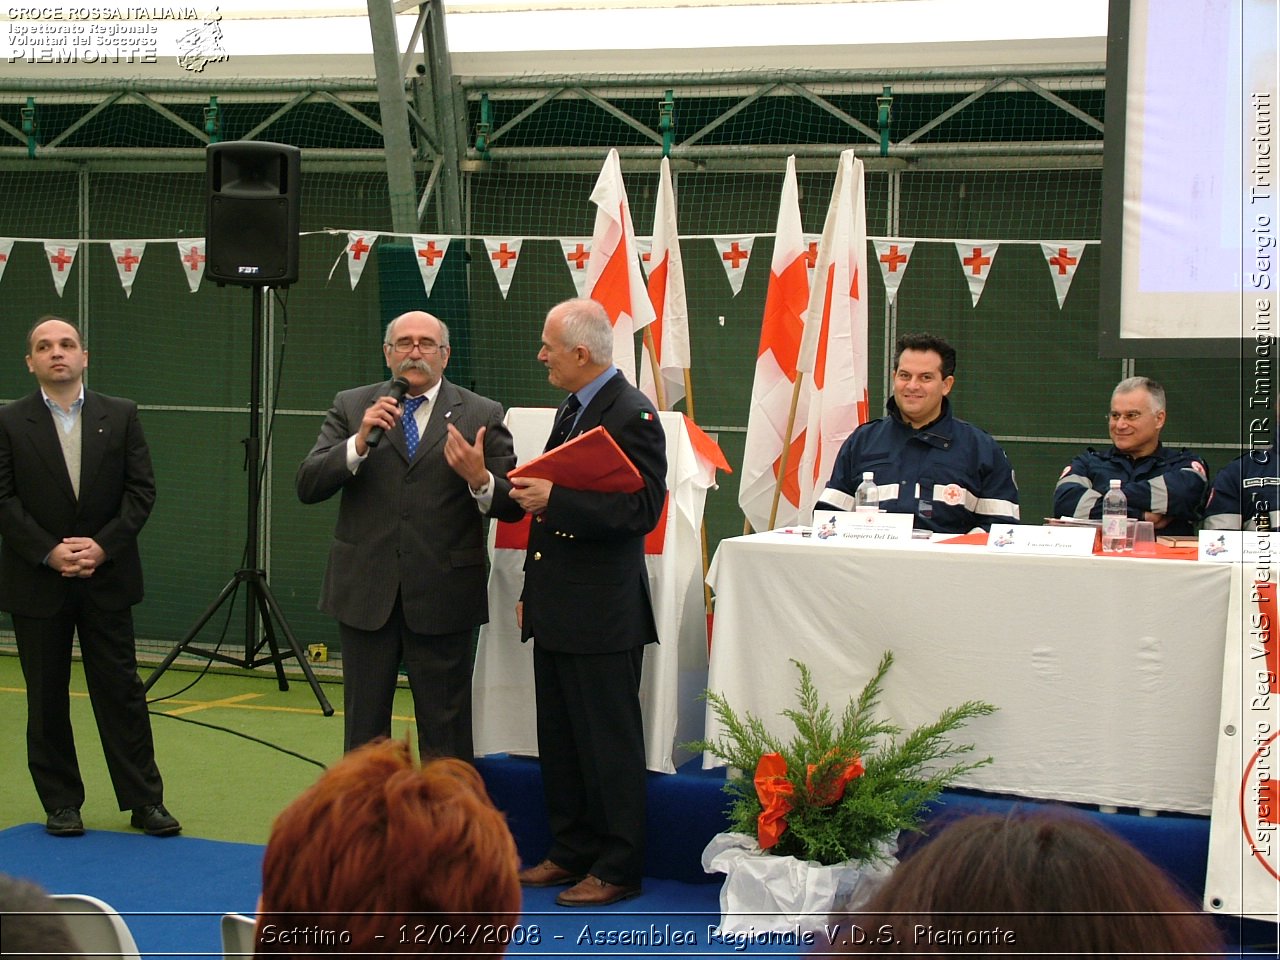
[399,387]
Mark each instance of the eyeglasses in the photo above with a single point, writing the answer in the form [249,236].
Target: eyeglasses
[1129,416]
[406,345]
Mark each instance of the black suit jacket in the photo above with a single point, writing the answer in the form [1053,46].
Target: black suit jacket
[409,527]
[38,507]
[586,589]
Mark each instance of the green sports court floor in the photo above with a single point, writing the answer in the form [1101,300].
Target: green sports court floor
[219,783]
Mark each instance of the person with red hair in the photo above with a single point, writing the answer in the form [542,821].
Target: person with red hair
[1031,884]
[383,856]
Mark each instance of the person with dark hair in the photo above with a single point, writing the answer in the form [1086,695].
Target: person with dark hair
[382,856]
[950,475]
[31,924]
[1030,883]
[76,487]
[1164,486]
[406,578]
[586,608]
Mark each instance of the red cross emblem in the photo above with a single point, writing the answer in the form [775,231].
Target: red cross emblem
[193,258]
[359,247]
[811,255]
[430,253]
[579,257]
[735,255]
[977,262]
[128,260]
[1062,261]
[60,259]
[893,259]
[503,256]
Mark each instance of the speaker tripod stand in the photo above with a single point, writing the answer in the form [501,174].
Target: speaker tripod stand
[260,604]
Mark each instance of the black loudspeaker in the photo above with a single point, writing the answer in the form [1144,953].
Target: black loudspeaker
[251,228]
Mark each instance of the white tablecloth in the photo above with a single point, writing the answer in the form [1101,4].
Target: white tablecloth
[1106,671]
[675,668]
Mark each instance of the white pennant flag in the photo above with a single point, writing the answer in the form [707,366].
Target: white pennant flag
[359,249]
[128,255]
[503,252]
[429,251]
[577,253]
[670,328]
[1063,258]
[192,254]
[735,253]
[61,255]
[5,247]
[893,256]
[615,280]
[976,258]
[811,241]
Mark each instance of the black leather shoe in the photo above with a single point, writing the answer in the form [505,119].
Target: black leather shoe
[65,822]
[155,821]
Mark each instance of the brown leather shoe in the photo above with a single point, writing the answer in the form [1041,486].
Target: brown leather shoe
[594,892]
[548,874]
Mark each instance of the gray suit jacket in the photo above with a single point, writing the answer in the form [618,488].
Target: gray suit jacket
[408,527]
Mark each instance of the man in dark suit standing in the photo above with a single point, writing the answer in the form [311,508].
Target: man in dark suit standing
[76,486]
[586,607]
[406,578]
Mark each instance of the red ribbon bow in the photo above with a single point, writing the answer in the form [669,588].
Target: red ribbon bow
[773,788]
[830,791]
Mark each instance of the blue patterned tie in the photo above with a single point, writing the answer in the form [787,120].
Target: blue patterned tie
[410,424]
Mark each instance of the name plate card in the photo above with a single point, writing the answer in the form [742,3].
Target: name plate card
[1048,541]
[861,527]
[1238,546]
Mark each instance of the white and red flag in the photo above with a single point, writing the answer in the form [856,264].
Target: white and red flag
[503,252]
[6,247]
[577,254]
[976,258]
[893,256]
[670,328]
[429,251]
[613,272]
[191,253]
[128,256]
[735,255]
[833,352]
[360,245]
[771,390]
[61,254]
[1063,258]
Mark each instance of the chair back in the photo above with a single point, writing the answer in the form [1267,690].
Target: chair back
[237,936]
[96,927]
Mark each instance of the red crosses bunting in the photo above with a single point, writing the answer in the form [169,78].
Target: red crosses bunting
[976,257]
[5,247]
[503,252]
[429,251]
[893,256]
[577,254]
[61,255]
[359,248]
[735,253]
[191,253]
[127,254]
[1063,258]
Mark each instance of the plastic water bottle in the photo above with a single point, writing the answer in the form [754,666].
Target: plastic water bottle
[1115,520]
[866,499]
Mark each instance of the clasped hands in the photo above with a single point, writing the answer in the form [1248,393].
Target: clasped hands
[77,557]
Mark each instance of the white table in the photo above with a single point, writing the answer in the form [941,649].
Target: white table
[1107,671]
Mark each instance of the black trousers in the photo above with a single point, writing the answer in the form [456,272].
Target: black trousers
[115,692]
[591,745]
[439,667]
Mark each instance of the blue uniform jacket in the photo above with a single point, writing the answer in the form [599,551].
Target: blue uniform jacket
[950,474]
[1170,482]
[1246,493]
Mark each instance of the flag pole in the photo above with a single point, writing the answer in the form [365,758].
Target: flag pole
[647,336]
[786,448]
[706,559]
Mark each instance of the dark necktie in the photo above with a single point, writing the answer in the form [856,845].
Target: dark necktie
[564,422]
[410,424]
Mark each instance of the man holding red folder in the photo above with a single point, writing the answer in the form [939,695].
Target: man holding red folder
[586,607]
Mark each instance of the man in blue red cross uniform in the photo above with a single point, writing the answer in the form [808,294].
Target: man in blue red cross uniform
[1162,485]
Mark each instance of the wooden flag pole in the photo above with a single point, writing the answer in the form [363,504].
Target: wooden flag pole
[786,448]
[653,368]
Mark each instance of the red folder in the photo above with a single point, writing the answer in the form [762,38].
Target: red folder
[592,461]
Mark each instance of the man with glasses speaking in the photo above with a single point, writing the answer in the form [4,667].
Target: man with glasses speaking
[1162,485]
[406,577]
